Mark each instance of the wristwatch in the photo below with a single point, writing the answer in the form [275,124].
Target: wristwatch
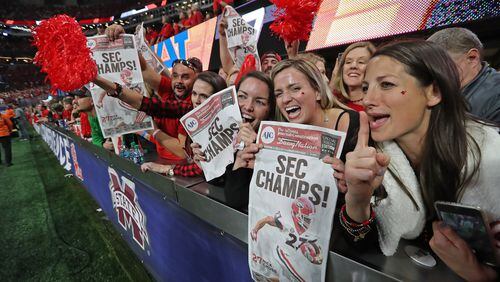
[117,92]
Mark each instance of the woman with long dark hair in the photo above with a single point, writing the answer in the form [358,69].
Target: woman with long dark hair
[427,149]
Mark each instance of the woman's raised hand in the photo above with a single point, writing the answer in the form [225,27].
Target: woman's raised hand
[364,172]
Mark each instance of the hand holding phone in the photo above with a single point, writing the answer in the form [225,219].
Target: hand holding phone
[470,224]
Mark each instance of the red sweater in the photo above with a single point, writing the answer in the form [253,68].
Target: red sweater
[196,18]
[167,31]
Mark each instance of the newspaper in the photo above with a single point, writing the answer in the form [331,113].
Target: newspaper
[241,38]
[214,125]
[292,202]
[146,51]
[118,62]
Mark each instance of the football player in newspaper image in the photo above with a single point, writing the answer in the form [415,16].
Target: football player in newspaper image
[295,247]
[126,76]
[114,107]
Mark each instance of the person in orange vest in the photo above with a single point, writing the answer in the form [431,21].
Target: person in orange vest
[5,129]
[9,113]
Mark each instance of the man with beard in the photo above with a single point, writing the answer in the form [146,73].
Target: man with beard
[174,92]
[268,60]
[177,88]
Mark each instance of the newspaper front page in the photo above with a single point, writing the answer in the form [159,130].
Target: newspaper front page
[214,125]
[241,38]
[292,202]
[118,62]
[146,51]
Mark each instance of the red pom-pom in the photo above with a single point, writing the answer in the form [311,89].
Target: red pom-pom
[247,66]
[63,53]
[294,18]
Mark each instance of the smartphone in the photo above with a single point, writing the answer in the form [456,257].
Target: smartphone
[339,55]
[471,225]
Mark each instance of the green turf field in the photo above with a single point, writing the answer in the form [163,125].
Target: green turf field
[50,229]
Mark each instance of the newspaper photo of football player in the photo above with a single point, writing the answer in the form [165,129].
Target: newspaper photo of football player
[295,239]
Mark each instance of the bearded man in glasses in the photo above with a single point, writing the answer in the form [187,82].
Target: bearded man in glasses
[174,97]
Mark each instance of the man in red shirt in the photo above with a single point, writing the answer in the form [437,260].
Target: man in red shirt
[175,93]
[170,89]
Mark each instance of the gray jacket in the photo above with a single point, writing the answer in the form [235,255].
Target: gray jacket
[483,94]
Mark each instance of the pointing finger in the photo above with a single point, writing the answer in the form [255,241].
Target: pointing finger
[364,131]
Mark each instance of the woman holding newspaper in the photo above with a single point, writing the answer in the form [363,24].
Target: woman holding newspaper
[302,96]
[412,109]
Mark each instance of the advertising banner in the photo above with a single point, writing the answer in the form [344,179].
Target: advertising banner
[170,241]
[194,42]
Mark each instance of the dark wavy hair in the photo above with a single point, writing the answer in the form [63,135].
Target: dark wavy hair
[215,80]
[264,78]
[444,173]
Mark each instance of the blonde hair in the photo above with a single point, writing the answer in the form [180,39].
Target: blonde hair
[315,78]
[338,82]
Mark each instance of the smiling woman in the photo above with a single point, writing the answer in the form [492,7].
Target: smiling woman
[303,96]
[413,108]
[350,72]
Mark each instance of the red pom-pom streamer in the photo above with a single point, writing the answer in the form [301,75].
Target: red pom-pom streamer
[63,53]
[247,66]
[294,18]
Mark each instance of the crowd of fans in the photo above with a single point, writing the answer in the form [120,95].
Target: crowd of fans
[172,25]
[19,76]
[26,97]
[88,9]
[400,105]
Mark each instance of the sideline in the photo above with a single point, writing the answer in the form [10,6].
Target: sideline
[50,229]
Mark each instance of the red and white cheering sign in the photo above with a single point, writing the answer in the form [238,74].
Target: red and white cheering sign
[292,202]
[214,125]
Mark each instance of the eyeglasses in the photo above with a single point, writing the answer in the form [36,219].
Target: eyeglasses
[184,63]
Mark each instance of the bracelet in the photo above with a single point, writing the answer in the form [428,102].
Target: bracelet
[353,223]
[355,229]
[155,133]
[117,92]
[358,234]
